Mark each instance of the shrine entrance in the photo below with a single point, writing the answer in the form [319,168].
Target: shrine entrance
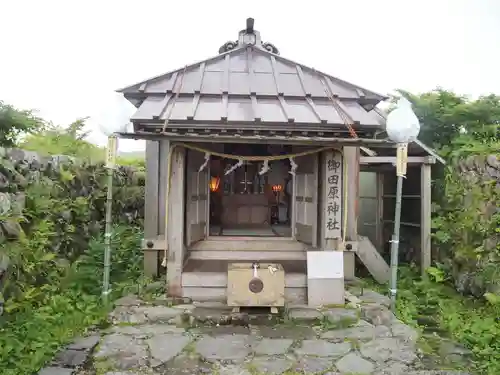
[250,200]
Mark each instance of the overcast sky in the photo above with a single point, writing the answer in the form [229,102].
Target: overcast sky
[66,58]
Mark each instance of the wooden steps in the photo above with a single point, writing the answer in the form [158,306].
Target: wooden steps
[269,244]
[247,256]
[206,280]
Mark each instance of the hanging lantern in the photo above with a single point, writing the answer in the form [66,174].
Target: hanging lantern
[277,188]
[214,183]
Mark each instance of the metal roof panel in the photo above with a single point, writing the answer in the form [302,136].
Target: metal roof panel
[251,84]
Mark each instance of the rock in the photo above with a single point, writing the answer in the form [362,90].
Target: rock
[321,348]
[5,203]
[130,300]
[354,364]
[125,314]
[273,346]
[124,352]
[148,330]
[388,349]
[378,315]
[186,365]
[341,316]
[271,365]
[164,347]
[85,343]
[370,296]
[403,331]
[437,372]
[11,228]
[56,371]
[71,358]
[233,370]
[313,365]
[391,368]
[162,314]
[304,314]
[362,332]
[224,348]
[287,332]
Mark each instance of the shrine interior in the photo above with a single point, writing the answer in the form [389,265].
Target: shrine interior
[249,201]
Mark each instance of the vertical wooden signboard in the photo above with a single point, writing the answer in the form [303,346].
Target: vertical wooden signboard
[333,194]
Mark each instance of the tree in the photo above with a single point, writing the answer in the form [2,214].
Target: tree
[14,123]
[70,141]
[448,119]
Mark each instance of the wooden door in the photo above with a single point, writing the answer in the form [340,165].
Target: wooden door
[245,202]
[197,186]
[305,210]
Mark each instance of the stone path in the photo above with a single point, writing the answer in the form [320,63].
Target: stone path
[209,339]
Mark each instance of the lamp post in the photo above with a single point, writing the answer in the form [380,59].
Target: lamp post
[402,127]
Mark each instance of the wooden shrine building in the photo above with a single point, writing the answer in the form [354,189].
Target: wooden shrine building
[255,158]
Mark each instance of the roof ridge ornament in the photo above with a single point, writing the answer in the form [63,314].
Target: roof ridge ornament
[248,37]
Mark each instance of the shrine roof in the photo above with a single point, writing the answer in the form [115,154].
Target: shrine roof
[249,85]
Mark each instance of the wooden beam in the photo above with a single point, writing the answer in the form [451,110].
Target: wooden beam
[298,140]
[425,217]
[175,228]
[392,159]
[151,206]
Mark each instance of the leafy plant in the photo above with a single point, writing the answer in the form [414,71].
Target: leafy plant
[14,123]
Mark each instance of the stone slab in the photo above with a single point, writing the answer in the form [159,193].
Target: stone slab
[56,371]
[322,348]
[224,348]
[352,363]
[273,346]
[164,347]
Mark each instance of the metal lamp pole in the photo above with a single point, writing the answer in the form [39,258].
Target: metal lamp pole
[110,165]
[402,127]
[400,172]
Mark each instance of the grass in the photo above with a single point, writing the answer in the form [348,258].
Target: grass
[436,307]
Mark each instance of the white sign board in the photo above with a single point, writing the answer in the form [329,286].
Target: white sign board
[111,151]
[325,264]
[333,173]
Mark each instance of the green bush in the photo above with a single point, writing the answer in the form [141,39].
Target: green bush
[52,288]
[433,305]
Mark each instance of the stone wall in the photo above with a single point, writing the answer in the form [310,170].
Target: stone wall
[62,177]
[479,177]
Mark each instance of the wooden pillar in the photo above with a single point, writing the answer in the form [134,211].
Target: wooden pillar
[352,164]
[175,235]
[151,207]
[425,217]
[162,193]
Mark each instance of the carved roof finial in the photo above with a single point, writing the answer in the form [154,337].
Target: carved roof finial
[248,36]
[250,22]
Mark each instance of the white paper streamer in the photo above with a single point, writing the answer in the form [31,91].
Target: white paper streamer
[293,166]
[231,170]
[265,167]
[204,165]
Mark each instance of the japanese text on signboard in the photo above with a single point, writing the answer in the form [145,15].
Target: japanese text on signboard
[333,199]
